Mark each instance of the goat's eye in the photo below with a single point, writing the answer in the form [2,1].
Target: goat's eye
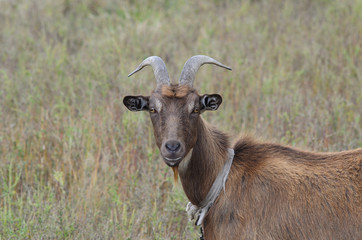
[152,110]
[196,110]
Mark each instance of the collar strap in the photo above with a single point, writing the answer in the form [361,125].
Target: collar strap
[200,211]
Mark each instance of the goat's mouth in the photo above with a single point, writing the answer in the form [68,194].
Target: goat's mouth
[172,162]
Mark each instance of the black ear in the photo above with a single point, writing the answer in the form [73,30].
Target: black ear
[136,103]
[210,102]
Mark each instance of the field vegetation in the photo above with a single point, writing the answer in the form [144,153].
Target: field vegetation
[75,164]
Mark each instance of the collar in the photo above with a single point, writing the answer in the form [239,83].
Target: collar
[199,212]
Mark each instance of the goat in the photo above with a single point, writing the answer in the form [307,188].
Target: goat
[272,191]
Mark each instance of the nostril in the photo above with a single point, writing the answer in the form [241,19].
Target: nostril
[173,146]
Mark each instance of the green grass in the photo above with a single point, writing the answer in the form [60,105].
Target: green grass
[75,164]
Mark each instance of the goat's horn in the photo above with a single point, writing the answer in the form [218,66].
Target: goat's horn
[159,69]
[193,64]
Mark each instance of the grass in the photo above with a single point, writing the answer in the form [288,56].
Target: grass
[75,164]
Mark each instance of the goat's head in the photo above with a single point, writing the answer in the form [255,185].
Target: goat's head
[175,109]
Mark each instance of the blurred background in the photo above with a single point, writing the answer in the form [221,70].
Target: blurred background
[75,164]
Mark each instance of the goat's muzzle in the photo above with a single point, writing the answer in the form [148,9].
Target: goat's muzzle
[172,152]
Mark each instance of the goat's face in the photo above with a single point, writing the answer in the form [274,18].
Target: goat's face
[175,109]
[175,113]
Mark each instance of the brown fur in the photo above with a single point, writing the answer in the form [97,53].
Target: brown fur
[273,191]
[177,91]
[205,162]
[278,192]
[175,174]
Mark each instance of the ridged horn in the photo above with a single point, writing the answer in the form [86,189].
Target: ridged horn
[192,66]
[159,69]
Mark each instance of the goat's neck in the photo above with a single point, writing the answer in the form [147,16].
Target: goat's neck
[199,170]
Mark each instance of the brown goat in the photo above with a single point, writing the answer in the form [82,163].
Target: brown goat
[272,191]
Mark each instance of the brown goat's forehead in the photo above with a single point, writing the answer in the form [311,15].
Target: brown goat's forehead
[174,98]
[176,91]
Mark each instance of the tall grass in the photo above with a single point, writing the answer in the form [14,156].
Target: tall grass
[76,165]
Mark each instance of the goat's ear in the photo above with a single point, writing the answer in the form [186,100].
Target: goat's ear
[210,102]
[136,103]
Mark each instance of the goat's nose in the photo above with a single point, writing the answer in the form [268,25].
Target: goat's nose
[172,146]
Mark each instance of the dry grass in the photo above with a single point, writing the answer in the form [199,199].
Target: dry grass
[76,165]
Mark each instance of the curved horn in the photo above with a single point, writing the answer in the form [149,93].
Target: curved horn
[159,69]
[193,64]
